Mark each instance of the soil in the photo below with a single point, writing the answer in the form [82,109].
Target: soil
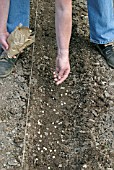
[67,127]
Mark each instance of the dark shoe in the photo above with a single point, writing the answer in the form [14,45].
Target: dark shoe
[6,66]
[107,52]
[1,50]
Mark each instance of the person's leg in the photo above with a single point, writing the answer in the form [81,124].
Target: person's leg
[19,12]
[101,20]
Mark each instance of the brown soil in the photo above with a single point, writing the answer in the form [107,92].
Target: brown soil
[67,127]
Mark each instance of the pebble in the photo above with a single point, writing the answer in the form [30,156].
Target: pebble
[94,113]
[113,144]
[111,83]
[21,79]
[46,133]
[12,162]
[106,94]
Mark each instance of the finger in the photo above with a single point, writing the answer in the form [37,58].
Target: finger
[12,57]
[60,74]
[63,77]
[57,70]
[5,45]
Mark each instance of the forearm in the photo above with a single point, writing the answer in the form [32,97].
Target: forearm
[4,10]
[63,23]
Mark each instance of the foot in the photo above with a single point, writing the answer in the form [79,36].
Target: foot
[6,65]
[6,68]
[107,52]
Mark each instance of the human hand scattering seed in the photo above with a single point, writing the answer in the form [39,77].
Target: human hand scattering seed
[18,40]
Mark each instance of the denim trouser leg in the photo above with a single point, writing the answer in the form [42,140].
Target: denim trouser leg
[19,12]
[101,20]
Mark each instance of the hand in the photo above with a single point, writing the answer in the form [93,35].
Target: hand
[62,66]
[3,40]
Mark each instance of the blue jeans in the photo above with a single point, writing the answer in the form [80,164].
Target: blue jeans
[19,12]
[101,20]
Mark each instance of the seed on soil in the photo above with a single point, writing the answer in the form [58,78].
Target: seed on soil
[62,88]
[39,123]
[57,113]
[38,132]
[38,149]
[60,166]
[53,157]
[84,166]
[41,136]
[60,123]
[45,148]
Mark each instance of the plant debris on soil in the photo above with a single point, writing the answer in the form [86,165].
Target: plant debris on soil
[49,127]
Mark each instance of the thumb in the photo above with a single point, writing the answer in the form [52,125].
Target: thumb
[5,45]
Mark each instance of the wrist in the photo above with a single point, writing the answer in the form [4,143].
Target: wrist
[62,52]
[3,33]
[3,29]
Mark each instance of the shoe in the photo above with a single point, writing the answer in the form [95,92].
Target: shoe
[6,66]
[1,50]
[107,52]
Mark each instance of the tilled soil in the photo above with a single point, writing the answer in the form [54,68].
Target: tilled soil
[71,126]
